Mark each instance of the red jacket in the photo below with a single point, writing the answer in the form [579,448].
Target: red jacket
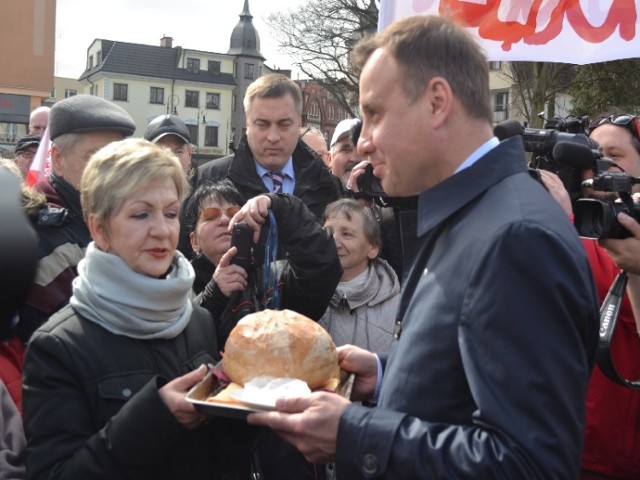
[11,361]
[612,441]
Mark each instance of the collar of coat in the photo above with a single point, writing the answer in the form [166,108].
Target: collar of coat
[449,196]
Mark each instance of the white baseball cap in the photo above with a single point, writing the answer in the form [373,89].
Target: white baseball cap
[342,130]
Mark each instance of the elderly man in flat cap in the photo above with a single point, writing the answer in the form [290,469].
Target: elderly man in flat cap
[78,126]
[26,149]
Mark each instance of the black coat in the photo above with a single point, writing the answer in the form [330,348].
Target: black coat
[92,408]
[307,278]
[314,185]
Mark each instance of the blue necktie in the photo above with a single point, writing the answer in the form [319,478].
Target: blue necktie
[277,178]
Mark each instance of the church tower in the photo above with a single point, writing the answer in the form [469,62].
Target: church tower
[249,62]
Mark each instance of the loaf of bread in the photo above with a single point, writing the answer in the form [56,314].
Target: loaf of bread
[281,344]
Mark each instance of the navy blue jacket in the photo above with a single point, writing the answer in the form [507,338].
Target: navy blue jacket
[499,331]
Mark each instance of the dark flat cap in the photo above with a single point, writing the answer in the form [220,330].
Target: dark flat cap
[167,125]
[26,142]
[86,113]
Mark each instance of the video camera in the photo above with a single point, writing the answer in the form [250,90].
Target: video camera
[596,218]
[541,142]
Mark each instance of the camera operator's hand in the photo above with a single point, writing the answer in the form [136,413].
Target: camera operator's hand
[229,277]
[554,185]
[625,252]
[254,214]
[357,171]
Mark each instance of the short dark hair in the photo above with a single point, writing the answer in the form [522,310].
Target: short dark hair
[222,190]
[273,85]
[427,46]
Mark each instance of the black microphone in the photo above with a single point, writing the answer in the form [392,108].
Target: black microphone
[508,129]
[578,155]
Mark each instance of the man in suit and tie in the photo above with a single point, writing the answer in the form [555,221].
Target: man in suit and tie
[271,157]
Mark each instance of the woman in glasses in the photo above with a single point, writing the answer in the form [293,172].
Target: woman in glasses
[306,279]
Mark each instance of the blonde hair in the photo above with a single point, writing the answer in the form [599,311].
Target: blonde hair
[120,169]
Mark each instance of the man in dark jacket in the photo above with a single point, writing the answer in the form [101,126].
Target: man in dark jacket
[499,314]
[78,126]
[272,146]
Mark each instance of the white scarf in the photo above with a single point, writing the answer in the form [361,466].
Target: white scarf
[108,292]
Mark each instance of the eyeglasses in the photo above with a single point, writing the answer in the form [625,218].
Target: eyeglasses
[623,120]
[310,129]
[214,213]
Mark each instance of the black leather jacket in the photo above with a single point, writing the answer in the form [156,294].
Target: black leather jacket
[92,407]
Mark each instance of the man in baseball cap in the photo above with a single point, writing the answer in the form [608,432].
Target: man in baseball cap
[171,132]
[342,151]
[26,149]
[78,127]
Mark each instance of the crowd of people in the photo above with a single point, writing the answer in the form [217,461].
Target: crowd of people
[469,315]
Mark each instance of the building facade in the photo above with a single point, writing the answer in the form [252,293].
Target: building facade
[27,40]
[148,81]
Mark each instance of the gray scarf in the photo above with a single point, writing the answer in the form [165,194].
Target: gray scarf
[107,292]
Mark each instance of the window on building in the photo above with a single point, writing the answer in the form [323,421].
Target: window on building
[90,62]
[331,114]
[193,65]
[213,101]
[71,93]
[501,102]
[249,70]
[192,99]
[98,57]
[120,91]
[211,136]
[53,92]
[314,110]
[193,134]
[495,65]
[156,95]
[214,67]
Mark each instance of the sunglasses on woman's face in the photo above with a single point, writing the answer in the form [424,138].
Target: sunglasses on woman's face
[214,213]
[624,120]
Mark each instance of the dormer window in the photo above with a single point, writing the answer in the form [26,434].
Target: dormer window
[193,65]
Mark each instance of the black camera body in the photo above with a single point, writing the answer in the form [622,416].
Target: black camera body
[597,219]
[241,238]
[541,142]
[369,184]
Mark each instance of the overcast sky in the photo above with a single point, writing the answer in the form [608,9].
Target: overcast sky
[195,24]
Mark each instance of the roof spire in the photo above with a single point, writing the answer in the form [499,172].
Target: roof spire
[245,10]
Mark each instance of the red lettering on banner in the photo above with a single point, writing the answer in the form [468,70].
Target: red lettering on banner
[622,14]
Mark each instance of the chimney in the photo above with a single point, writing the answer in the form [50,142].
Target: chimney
[166,41]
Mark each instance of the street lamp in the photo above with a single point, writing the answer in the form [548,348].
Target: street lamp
[171,106]
[203,112]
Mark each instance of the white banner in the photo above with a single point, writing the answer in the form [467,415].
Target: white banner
[570,31]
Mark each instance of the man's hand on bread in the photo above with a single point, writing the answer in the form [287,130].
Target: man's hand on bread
[309,423]
[254,214]
[364,364]
[173,395]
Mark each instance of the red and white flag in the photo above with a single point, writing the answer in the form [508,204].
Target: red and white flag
[41,165]
[571,31]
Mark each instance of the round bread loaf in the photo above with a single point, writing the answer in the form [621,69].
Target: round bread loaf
[280,344]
